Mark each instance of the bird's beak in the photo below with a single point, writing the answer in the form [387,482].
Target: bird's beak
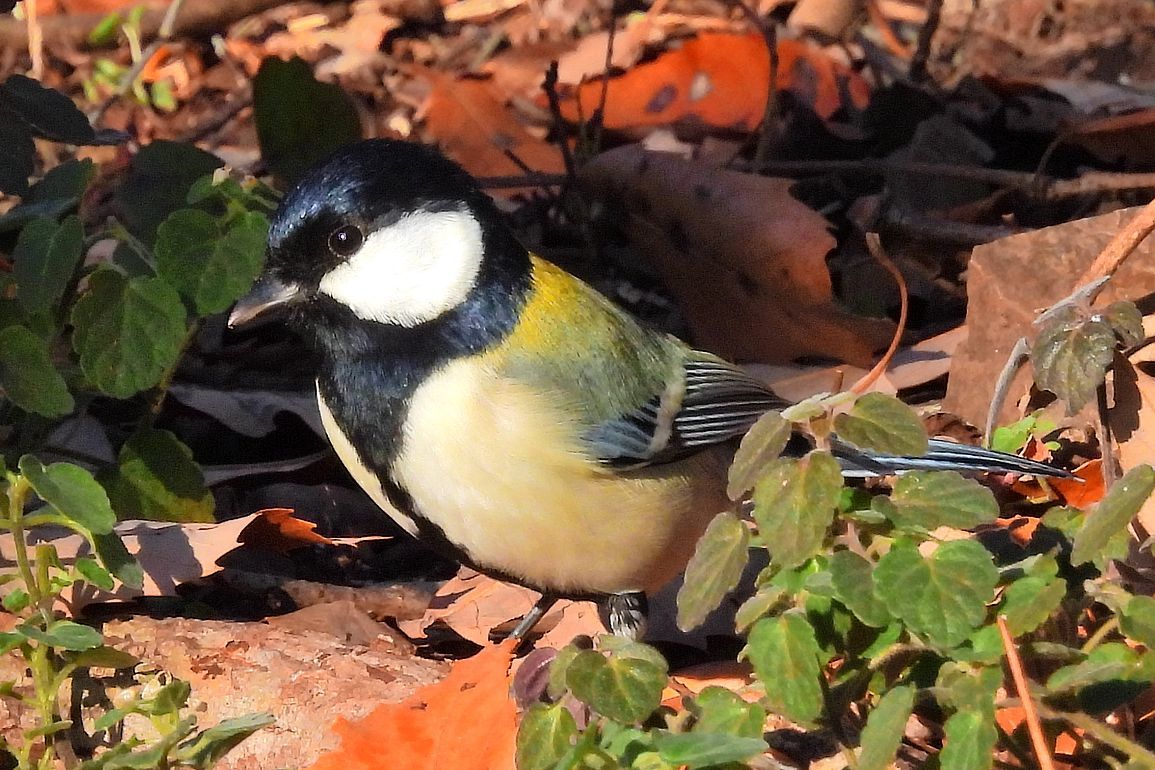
[267,293]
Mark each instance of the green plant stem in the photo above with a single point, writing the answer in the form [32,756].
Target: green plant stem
[1101,633]
[36,583]
[1101,733]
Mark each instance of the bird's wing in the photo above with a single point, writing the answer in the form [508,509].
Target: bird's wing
[707,402]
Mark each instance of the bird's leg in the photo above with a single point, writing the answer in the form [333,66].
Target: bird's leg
[526,624]
[625,614]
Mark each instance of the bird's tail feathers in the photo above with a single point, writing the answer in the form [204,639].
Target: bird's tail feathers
[941,455]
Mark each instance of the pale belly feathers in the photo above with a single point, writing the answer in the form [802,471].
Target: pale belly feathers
[495,466]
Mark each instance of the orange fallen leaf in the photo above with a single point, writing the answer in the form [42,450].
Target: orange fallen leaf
[1012,718]
[738,677]
[720,79]
[745,259]
[276,529]
[467,721]
[469,120]
[1082,493]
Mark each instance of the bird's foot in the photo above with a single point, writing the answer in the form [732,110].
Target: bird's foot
[625,614]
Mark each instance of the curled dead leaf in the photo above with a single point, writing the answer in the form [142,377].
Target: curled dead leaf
[746,260]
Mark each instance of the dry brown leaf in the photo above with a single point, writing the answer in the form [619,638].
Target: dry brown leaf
[468,119]
[746,260]
[473,605]
[170,554]
[1132,413]
[466,722]
[276,529]
[721,80]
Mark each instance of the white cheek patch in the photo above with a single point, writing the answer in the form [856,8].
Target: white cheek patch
[412,271]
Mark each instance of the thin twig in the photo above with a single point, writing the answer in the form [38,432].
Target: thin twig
[163,34]
[1029,183]
[533,179]
[550,86]
[598,119]
[1034,727]
[922,52]
[1103,734]
[768,129]
[1120,247]
[874,244]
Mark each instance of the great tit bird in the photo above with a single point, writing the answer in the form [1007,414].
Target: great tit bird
[499,408]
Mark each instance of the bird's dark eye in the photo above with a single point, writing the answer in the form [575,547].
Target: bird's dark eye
[345,240]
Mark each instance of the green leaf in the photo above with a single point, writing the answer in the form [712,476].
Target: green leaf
[47,113]
[970,741]
[882,423]
[1011,438]
[104,657]
[785,656]
[1137,620]
[1108,663]
[764,600]
[942,597]
[205,748]
[625,689]
[157,184]
[105,31]
[15,600]
[157,479]
[44,261]
[299,120]
[9,640]
[932,499]
[697,750]
[718,710]
[128,332]
[1071,356]
[95,574]
[794,505]
[714,569]
[168,699]
[64,635]
[210,268]
[1030,601]
[544,736]
[760,446]
[117,560]
[884,729]
[27,376]
[1127,321]
[72,491]
[1112,515]
[853,583]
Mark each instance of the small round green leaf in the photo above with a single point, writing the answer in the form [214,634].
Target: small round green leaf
[1127,321]
[942,597]
[699,750]
[625,689]
[544,736]
[72,491]
[760,446]
[882,423]
[95,574]
[932,499]
[714,569]
[718,710]
[64,635]
[28,377]
[44,260]
[1071,356]
[127,332]
[1137,620]
[1030,601]
[884,729]
[794,505]
[1112,515]
[158,480]
[784,652]
[970,741]
[853,583]
[209,267]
